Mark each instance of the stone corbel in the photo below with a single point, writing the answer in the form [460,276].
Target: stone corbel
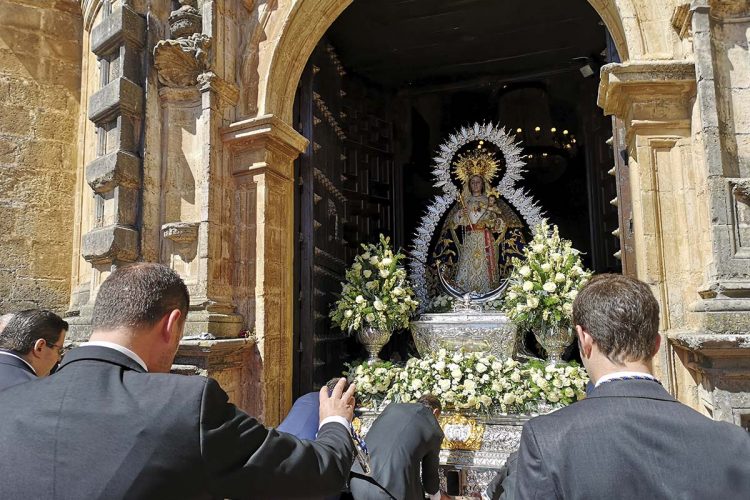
[648,93]
[256,140]
[720,365]
[741,191]
[180,232]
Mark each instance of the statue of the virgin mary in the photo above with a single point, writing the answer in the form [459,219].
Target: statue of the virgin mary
[481,233]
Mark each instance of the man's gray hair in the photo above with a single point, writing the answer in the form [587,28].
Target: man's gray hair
[621,314]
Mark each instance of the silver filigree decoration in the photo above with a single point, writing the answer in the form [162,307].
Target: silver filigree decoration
[506,186]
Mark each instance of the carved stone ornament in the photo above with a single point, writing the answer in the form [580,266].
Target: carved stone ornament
[741,191]
[186,20]
[179,62]
[180,232]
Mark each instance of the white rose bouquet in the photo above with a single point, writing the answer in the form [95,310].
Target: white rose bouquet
[544,283]
[376,293]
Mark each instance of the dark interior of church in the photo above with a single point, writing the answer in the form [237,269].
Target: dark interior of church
[385,87]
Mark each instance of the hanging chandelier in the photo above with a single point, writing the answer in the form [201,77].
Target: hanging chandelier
[548,145]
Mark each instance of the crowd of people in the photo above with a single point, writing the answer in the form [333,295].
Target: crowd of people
[111,421]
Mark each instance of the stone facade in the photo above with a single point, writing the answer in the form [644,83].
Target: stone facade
[179,133]
[40,88]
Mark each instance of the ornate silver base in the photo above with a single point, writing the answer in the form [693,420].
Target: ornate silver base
[473,331]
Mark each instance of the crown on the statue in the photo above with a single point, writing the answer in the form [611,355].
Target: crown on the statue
[476,162]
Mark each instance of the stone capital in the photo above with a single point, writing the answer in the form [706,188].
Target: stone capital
[264,143]
[645,93]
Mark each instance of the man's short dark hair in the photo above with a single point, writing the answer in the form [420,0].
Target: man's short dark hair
[138,295]
[30,325]
[621,314]
[431,402]
[331,384]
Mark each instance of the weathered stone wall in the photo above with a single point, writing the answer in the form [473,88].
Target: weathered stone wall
[40,71]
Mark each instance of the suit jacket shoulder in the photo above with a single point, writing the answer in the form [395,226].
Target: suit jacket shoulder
[14,371]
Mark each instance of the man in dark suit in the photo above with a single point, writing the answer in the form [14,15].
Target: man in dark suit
[30,345]
[405,438]
[113,423]
[629,439]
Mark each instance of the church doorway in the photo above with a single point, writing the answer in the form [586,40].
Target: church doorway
[388,83]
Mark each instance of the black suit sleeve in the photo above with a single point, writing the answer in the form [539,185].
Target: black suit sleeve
[532,478]
[430,466]
[243,459]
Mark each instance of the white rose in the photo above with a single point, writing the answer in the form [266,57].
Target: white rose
[416,384]
[348,313]
[485,400]
[567,308]
[553,398]
[573,294]
[549,287]
[546,267]
[387,261]
[560,278]
[359,299]
[366,273]
[497,365]
[445,384]
[398,291]
[366,255]
[458,357]
[524,271]
[555,257]
[440,366]
[528,286]
[515,377]
[577,270]
[569,393]
[480,368]
[520,308]
[456,374]
[378,305]
[370,317]
[384,273]
[512,296]
[532,302]
[374,260]
[509,399]
[538,248]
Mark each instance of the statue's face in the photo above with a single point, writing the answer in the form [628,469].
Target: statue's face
[476,185]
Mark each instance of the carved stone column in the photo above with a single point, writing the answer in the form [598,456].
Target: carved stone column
[717,354]
[670,222]
[262,151]
[116,110]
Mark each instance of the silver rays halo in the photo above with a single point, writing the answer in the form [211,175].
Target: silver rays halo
[521,200]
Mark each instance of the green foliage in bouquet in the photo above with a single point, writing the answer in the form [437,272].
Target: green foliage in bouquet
[471,381]
[376,293]
[544,283]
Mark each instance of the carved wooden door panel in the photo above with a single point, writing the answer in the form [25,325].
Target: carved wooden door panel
[344,198]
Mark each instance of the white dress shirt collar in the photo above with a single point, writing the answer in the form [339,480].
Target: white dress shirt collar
[121,349]
[8,353]
[614,375]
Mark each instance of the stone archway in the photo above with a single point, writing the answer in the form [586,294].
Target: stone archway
[666,114]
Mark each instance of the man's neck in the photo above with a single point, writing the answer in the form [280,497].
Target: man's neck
[605,367]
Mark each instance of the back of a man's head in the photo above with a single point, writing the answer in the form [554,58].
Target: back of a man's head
[622,316]
[431,402]
[138,295]
[28,326]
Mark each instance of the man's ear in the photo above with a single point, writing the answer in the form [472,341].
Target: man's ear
[657,345]
[585,341]
[172,326]
[38,346]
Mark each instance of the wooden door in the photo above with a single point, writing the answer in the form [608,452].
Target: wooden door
[345,197]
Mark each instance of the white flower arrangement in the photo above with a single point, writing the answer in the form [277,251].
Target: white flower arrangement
[472,381]
[544,283]
[376,293]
